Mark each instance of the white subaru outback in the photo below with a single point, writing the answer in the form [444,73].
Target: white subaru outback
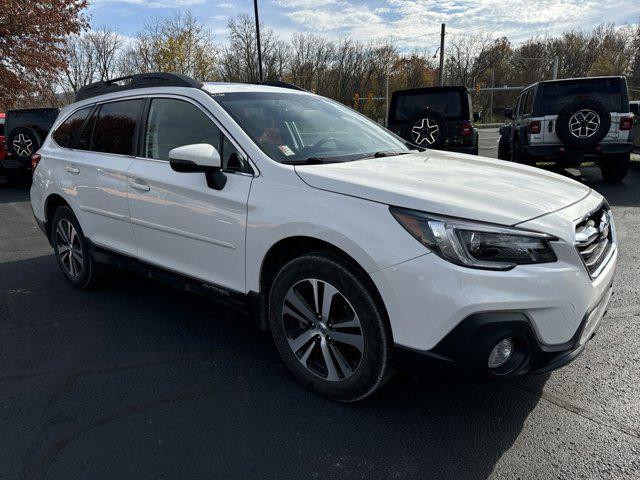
[359,254]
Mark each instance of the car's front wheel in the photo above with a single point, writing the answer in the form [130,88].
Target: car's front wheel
[71,250]
[329,327]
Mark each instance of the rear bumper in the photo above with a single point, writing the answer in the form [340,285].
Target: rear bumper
[466,348]
[549,152]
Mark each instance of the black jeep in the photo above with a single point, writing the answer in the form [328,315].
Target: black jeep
[571,121]
[439,118]
[25,130]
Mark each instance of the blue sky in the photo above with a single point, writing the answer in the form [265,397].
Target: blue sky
[414,23]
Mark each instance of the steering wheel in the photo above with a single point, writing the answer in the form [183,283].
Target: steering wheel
[322,141]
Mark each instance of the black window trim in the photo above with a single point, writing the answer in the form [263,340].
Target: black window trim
[145,117]
[92,107]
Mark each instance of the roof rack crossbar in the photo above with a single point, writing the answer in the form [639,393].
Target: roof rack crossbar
[139,80]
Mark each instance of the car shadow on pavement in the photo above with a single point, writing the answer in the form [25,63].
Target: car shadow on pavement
[13,193]
[137,377]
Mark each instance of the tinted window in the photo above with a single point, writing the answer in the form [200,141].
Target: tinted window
[66,133]
[606,91]
[84,140]
[1,126]
[174,123]
[115,127]
[528,103]
[448,104]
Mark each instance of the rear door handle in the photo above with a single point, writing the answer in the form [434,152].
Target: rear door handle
[73,170]
[143,187]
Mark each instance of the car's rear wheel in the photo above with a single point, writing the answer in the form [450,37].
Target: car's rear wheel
[329,327]
[71,250]
[615,167]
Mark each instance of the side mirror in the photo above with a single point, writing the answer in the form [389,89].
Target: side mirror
[508,113]
[634,107]
[477,116]
[199,157]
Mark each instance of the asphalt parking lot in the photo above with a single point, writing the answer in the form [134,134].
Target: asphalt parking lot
[138,381]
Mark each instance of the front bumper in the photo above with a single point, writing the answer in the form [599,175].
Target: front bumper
[466,348]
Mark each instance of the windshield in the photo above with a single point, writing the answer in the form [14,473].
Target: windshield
[447,104]
[292,127]
[606,91]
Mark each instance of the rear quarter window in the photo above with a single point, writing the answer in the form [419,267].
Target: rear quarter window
[609,92]
[66,133]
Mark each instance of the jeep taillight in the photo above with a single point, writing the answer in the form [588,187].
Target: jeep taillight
[626,123]
[466,129]
[535,126]
[35,159]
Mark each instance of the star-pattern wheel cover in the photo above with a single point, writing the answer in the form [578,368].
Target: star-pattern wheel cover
[584,123]
[425,132]
[22,145]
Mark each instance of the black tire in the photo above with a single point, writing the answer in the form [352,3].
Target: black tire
[89,274]
[504,150]
[615,167]
[421,131]
[375,364]
[572,126]
[23,142]
[519,154]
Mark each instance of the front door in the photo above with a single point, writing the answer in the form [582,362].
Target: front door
[179,222]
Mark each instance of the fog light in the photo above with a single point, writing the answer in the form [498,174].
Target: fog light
[501,353]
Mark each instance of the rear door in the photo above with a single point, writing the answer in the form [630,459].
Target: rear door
[96,171]
[180,223]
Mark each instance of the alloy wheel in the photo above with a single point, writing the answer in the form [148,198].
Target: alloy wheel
[22,145]
[69,248]
[323,330]
[584,123]
[425,132]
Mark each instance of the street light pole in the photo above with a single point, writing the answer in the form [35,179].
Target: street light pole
[255,8]
[441,72]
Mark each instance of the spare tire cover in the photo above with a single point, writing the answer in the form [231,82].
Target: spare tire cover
[428,129]
[583,123]
[23,142]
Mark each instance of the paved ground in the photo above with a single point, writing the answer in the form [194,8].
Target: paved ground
[138,381]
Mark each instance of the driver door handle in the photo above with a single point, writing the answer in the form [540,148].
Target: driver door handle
[73,170]
[142,187]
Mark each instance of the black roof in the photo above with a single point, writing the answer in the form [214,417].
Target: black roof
[426,90]
[560,80]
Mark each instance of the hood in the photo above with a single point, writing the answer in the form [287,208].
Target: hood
[451,184]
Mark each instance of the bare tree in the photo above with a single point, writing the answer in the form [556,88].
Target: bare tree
[106,45]
[81,65]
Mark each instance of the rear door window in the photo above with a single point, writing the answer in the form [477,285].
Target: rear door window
[66,133]
[606,91]
[115,127]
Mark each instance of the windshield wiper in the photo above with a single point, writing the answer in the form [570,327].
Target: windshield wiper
[308,161]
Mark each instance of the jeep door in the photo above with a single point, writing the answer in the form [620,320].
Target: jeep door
[180,223]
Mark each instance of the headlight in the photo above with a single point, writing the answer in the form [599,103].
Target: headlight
[476,245]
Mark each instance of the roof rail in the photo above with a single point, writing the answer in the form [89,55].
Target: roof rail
[281,84]
[139,80]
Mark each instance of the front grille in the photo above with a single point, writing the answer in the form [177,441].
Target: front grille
[594,239]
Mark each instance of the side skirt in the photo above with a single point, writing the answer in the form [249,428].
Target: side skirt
[233,298]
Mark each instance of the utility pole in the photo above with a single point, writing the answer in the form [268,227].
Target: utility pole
[255,8]
[555,67]
[493,84]
[441,71]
